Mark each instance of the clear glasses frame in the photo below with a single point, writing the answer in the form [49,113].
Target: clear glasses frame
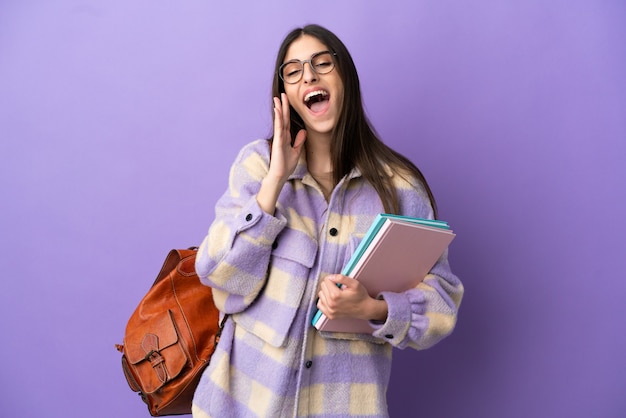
[295,68]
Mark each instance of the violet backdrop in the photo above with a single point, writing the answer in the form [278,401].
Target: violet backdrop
[119,121]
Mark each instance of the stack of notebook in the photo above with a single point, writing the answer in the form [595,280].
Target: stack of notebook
[396,254]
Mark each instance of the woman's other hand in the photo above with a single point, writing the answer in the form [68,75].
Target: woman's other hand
[341,297]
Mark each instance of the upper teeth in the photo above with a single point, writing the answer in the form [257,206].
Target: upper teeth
[314,93]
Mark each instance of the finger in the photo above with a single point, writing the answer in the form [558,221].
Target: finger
[299,141]
[278,122]
[321,299]
[330,289]
[322,306]
[285,105]
[285,113]
[340,280]
[323,289]
[277,109]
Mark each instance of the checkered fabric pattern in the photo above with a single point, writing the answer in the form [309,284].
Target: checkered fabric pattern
[265,270]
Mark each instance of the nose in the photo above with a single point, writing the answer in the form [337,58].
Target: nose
[308,73]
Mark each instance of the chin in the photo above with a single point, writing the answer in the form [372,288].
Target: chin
[321,128]
[324,126]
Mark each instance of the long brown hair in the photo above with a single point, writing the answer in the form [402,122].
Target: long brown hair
[356,144]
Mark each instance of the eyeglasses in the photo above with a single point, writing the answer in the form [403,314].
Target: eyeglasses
[320,62]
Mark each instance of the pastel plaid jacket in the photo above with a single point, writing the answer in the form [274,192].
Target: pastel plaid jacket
[270,361]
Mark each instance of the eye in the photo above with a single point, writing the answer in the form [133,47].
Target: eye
[292,69]
[322,63]
[293,72]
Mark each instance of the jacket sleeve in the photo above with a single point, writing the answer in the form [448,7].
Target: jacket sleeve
[426,314]
[234,257]
[421,317]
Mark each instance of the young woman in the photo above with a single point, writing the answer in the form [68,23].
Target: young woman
[295,209]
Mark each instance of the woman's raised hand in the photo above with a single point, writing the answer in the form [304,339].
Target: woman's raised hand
[285,155]
[285,150]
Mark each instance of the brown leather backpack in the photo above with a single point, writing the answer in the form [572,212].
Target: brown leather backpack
[170,337]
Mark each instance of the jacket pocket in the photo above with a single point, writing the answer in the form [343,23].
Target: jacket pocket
[271,315]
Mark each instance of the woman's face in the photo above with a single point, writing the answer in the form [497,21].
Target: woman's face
[317,98]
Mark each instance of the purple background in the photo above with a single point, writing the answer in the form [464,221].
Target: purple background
[119,120]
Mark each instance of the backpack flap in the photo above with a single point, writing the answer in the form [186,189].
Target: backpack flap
[156,354]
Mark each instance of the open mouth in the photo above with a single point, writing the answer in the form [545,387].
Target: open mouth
[316,100]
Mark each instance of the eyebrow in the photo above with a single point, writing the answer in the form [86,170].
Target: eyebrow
[310,56]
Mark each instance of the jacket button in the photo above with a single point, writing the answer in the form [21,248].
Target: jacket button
[389,336]
[309,364]
[333,232]
[249,217]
